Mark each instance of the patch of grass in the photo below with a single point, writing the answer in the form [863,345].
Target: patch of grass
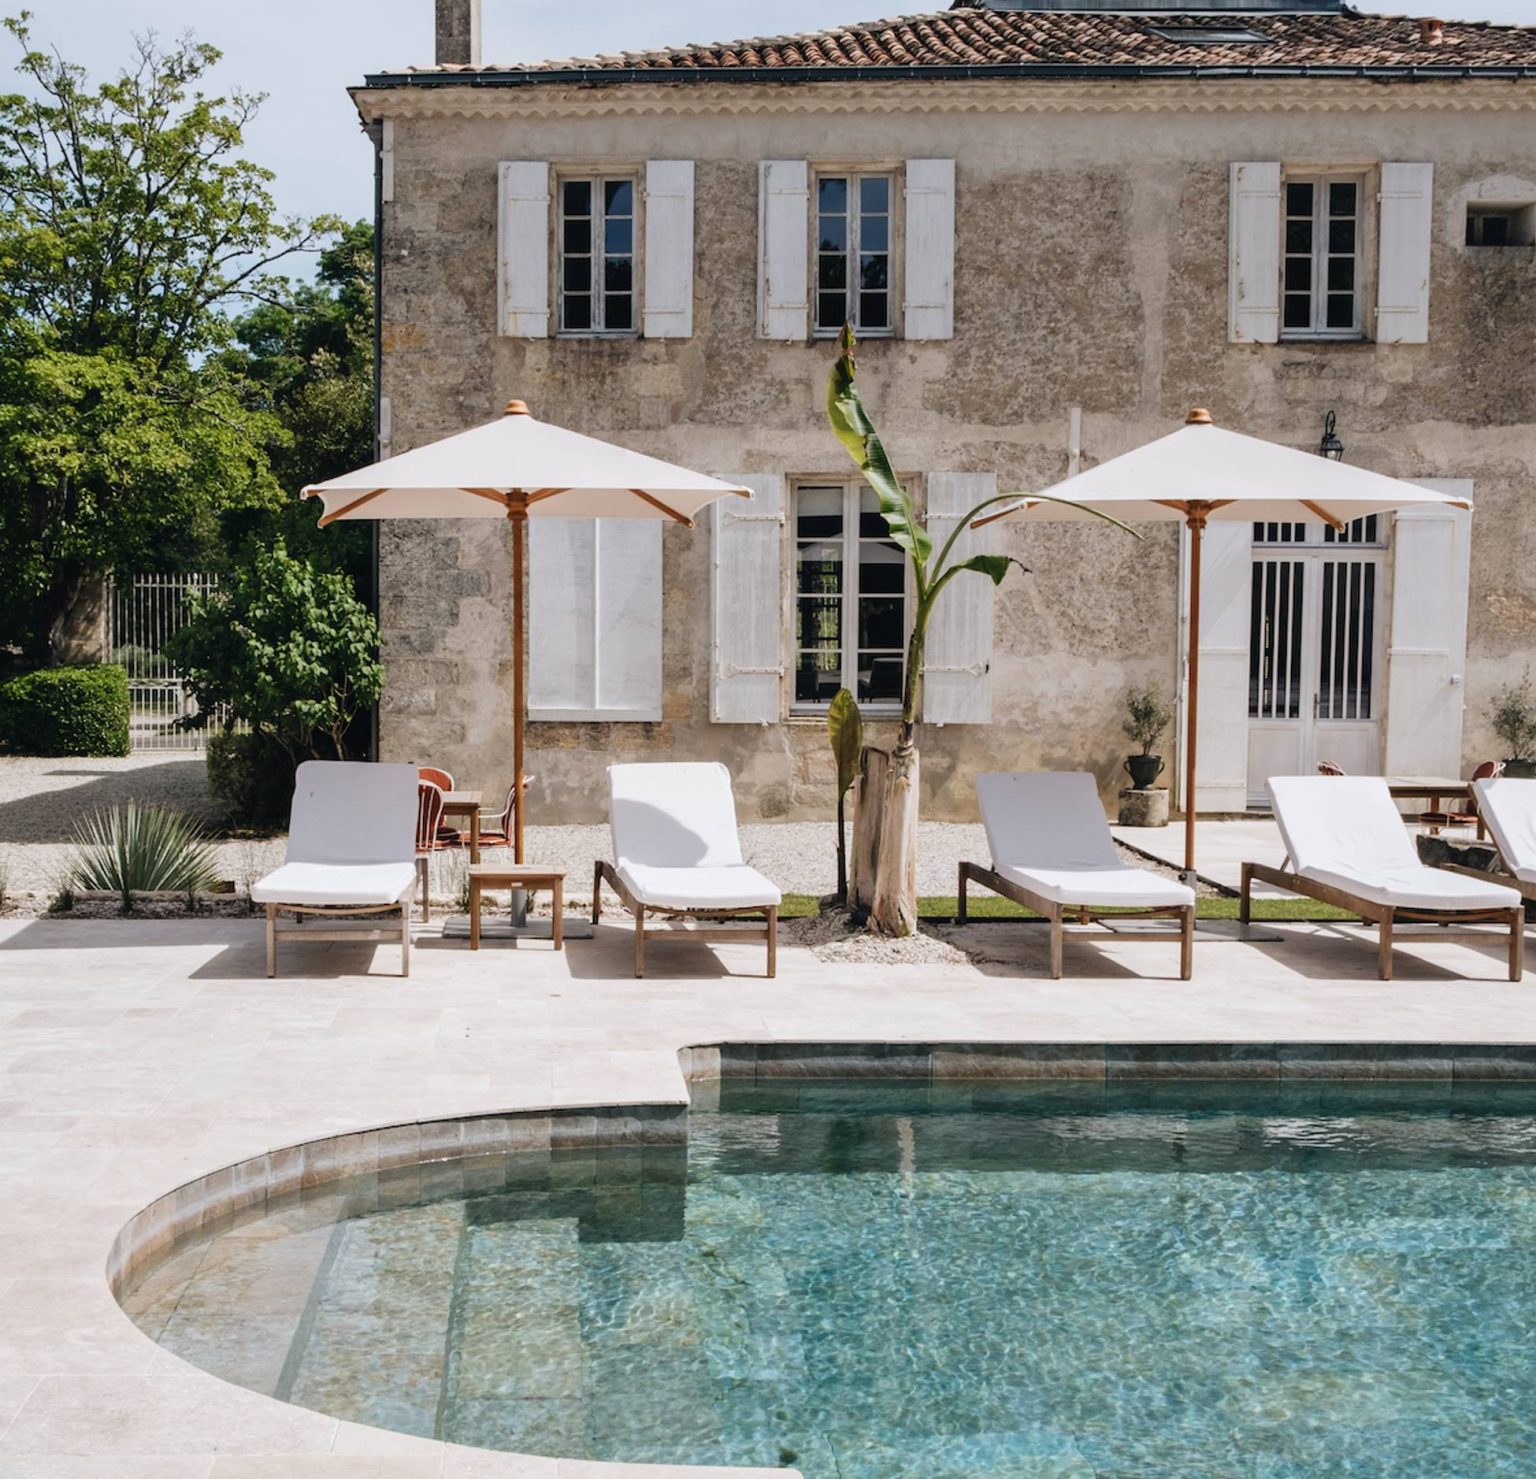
[990,906]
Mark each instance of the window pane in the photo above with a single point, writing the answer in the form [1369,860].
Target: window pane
[1298,311]
[1298,235]
[879,678]
[619,236]
[576,274]
[831,272]
[1341,198]
[875,233]
[1298,198]
[578,234]
[883,576]
[872,270]
[578,311]
[1341,310]
[873,311]
[618,312]
[819,513]
[880,621]
[831,310]
[618,275]
[578,197]
[1298,274]
[1341,274]
[1341,235]
[832,234]
[831,195]
[619,197]
[874,194]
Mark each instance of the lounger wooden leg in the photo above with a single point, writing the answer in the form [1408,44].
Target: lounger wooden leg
[639,940]
[1516,943]
[474,913]
[271,940]
[597,885]
[960,900]
[405,937]
[557,923]
[424,887]
[1186,942]
[1056,932]
[1245,902]
[1384,950]
[773,942]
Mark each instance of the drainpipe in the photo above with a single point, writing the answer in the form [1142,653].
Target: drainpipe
[375,132]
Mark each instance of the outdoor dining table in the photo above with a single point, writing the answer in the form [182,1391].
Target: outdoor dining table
[462,804]
[1432,790]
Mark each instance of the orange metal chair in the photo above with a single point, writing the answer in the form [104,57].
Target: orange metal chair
[441,779]
[429,838]
[1327,767]
[496,826]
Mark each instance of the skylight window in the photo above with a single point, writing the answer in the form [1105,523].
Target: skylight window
[1206,35]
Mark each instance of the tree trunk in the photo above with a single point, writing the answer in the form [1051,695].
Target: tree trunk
[884,883]
[79,634]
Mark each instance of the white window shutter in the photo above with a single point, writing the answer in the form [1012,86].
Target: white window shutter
[784,248]
[1226,585]
[1402,273]
[1426,663]
[930,257]
[746,669]
[1253,254]
[668,249]
[522,278]
[594,619]
[957,658]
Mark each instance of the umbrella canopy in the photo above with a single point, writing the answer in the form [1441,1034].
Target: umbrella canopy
[518,468]
[1202,472]
[517,459]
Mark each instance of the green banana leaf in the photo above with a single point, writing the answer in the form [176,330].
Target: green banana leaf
[845,728]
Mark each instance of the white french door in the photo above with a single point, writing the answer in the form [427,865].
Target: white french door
[1315,650]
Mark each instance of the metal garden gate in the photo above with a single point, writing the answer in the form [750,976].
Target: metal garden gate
[142,613]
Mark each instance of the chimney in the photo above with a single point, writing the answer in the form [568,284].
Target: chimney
[458,33]
[1431,32]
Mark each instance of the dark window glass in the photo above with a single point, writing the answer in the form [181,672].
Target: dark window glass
[832,194]
[1341,198]
[874,311]
[1298,198]
[1341,310]
[1341,274]
[874,194]
[578,197]
[831,310]
[832,234]
[1298,311]
[578,311]
[1341,234]
[1298,274]
[578,235]
[832,272]
[871,271]
[1298,235]
[618,236]
[619,198]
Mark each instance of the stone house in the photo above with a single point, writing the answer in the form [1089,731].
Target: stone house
[1055,229]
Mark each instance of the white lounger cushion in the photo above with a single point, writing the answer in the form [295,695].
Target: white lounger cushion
[351,836]
[1345,831]
[726,887]
[338,884]
[673,815]
[1048,833]
[1508,805]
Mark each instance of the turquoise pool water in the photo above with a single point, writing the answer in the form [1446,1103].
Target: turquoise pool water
[894,1281]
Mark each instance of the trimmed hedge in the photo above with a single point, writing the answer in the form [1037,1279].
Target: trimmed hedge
[251,777]
[66,711]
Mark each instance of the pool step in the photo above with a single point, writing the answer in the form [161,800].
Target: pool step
[384,1290]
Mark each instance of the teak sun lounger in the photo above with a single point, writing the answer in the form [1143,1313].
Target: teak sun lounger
[677,852]
[351,851]
[1507,806]
[1347,846]
[1052,852]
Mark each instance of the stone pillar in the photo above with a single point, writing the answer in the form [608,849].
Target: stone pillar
[458,33]
[80,638]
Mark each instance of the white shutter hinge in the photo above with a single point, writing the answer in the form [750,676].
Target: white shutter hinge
[731,670]
[730,518]
[970,669]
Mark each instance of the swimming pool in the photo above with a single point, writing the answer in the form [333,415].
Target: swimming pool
[881,1279]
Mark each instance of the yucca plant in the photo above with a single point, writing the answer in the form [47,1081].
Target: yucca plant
[132,848]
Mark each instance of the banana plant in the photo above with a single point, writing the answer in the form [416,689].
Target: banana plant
[845,728]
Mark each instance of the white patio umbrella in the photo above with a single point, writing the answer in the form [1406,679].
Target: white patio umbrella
[519,468]
[1200,473]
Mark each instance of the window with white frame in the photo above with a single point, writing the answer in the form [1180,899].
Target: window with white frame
[597,254]
[1320,261]
[850,599]
[853,253]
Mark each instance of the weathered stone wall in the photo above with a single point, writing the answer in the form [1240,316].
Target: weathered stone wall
[1091,271]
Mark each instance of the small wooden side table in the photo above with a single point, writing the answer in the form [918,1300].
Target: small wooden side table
[516,875]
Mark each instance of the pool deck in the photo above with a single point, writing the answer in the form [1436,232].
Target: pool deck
[137,1055]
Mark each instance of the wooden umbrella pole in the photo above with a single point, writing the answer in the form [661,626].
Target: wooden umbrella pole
[517,511]
[1196,519]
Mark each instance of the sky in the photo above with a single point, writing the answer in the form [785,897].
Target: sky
[304,54]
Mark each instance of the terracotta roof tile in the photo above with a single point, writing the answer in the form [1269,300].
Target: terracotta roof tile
[976,37]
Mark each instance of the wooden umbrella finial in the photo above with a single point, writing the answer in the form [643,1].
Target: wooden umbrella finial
[1198,416]
[517,408]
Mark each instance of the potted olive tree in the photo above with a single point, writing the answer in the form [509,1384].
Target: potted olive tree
[1513,716]
[1148,715]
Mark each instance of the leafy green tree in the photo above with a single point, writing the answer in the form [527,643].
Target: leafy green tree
[285,647]
[129,227]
